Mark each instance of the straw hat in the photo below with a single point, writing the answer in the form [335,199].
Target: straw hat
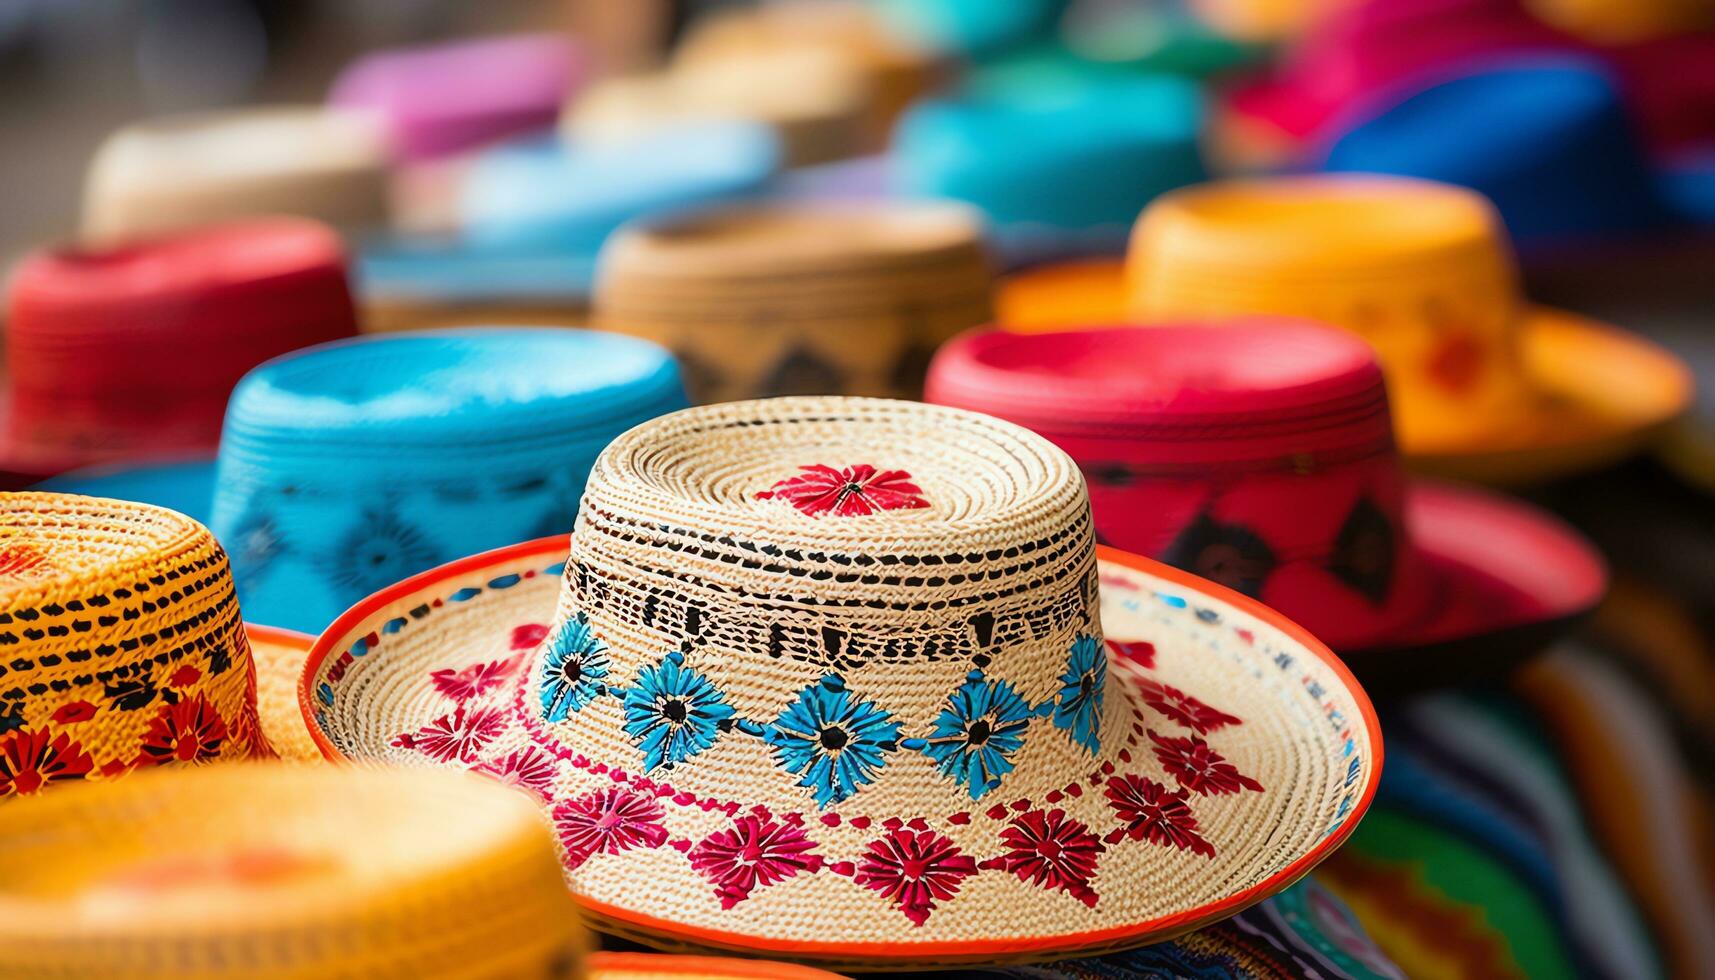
[272,872]
[130,352]
[440,99]
[123,642]
[1260,454]
[1484,385]
[1012,150]
[181,171]
[531,217]
[830,675]
[799,298]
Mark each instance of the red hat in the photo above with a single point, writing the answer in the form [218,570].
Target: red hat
[130,352]
[1260,454]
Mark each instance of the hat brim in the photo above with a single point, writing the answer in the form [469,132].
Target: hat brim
[279,656]
[1602,393]
[393,659]
[186,486]
[1508,580]
[649,966]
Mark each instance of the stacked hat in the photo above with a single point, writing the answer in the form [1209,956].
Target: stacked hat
[1060,168]
[1259,454]
[1483,383]
[531,217]
[273,872]
[849,679]
[799,299]
[181,171]
[123,642]
[130,351]
[445,98]
[816,100]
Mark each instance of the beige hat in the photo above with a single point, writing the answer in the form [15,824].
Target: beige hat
[269,872]
[799,299]
[177,171]
[849,680]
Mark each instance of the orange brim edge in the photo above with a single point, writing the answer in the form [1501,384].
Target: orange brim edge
[891,954]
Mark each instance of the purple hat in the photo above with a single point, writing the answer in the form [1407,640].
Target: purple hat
[443,98]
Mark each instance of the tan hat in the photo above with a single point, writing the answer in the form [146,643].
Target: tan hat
[799,299]
[849,680]
[268,871]
[174,172]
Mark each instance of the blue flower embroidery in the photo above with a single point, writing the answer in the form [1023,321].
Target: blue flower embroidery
[673,712]
[835,742]
[573,669]
[982,725]
[1079,706]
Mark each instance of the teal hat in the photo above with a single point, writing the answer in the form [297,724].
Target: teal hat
[1061,165]
[347,467]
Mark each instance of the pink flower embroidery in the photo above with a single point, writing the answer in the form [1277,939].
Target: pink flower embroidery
[608,821]
[1140,652]
[1185,709]
[914,869]
[527,636]
[529,769]
[31,760]
[1149,811]
[459,736]
[851,492]
[1049,850]
[462,685]
[1198,767]
[189,731]
[753,854]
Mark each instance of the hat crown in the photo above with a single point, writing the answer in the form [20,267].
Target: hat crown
[124,641]
[766,587]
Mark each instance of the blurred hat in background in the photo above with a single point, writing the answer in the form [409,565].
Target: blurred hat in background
[848,679]
[176,172]
[1259,454]
[1058,169]
[129,352]
[124,643]
[442,99]
[788,299]
[530,217]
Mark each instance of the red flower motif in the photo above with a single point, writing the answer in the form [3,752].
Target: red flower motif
[1198,767]
[189,731]
[185,676]
[1140,652]
[530,770]
[1047,849]
[462,685]
[1185,709]
[914,869]
[753,854]
[30,760]
[73,712]
[527,637]
[1149,811]
[459,736]
[608,821]
[20,558]
[851,492]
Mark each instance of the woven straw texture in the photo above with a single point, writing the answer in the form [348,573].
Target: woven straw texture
[280,656]
[799,300]
[276,871]
[123,643]
[873,737]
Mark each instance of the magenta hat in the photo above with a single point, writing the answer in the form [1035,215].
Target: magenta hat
[444,98]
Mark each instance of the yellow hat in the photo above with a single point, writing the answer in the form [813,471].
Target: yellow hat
[124,647]
[1483,384]
[275,871]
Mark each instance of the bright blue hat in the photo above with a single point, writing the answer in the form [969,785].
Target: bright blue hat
[533,214]
[346,467]
[1546,138]
[971,26]
[1060,169]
